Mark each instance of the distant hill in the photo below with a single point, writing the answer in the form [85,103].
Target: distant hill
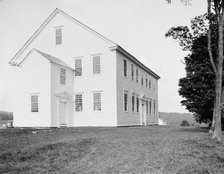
[4,115]
[175,119]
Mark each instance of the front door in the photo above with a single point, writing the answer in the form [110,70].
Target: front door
[62,113]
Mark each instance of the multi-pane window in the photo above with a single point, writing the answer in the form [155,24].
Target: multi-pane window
[125,100]
[96,65]
[137,103]
[78,67]
[150,106]
[154,107]
[96,101]
[137,75]
[34,103]
[62,76]
[147,106]
[133,102]
[142,80]
[78,102]
[132,71]
[58,36]
[125,67]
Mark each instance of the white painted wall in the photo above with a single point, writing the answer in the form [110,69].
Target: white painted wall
[57,88]
[133,118]
[32,77]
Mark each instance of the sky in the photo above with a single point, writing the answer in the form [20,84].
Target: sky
[139,26]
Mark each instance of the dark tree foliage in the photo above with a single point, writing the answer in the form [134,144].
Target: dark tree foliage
[198,87]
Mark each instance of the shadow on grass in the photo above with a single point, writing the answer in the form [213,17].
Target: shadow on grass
[194,129]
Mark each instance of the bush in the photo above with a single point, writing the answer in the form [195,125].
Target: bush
[185,123]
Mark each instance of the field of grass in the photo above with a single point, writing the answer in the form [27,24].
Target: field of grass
[150,149]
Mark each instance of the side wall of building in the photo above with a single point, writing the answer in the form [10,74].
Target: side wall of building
[125,118]
[33,78]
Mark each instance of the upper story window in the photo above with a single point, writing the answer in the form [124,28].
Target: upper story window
[125,100]
[96,65]
[97,101]
[58,36]
[62,76]
[78,67]
[150,84]
[132,72]
[142,80]
[78,102]
[125,67]
[34,103]
[154,86]
[146,82]
[137,75]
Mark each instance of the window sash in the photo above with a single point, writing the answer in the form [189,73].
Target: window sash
[34,103]
[78,67]
[78,102]
[125,67]
[58,36]
[96,65]
[97,101]
[62,76]
[125,101]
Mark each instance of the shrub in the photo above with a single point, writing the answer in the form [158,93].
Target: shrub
[185,123]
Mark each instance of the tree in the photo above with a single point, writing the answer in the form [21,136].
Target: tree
[217,7]
[198,86]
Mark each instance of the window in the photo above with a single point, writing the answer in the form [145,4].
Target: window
[58,36]
[34,103]
[78,67]
[125,100]
[133,102]
[125,68]
[142,80]
[150,106]
[150,83]
[62,76]
[137,75]
[146,82]
[96,65]
[147,106]
[137,103]
[132,71]
[78,102]
[154,86]
[96,101]
[154,107]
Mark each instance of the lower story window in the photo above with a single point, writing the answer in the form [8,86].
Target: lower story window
[125,100]
[34,103]
[133,102]
[147,106]
[150,106]
[78,102]
[97,101]
[154,107]
[137,104]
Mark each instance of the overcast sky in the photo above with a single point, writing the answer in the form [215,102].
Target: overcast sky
[136,25]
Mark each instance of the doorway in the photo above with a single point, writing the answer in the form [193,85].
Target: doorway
[62,113]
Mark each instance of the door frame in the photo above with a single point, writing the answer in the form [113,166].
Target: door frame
[143,110]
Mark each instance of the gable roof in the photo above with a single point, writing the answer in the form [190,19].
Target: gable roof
[48,57]
[113,47]
[43,25]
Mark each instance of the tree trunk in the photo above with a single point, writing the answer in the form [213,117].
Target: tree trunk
[217,134]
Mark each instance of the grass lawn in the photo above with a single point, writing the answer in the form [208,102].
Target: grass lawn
[150,149]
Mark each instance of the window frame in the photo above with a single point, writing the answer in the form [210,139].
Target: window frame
[81,65]
[32,103]
[80,110]
[137,103]
[94,57]
[125,103]
[62,75]
[94,102]
[132,72]
[125,68]
[58,36]
[133,102]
